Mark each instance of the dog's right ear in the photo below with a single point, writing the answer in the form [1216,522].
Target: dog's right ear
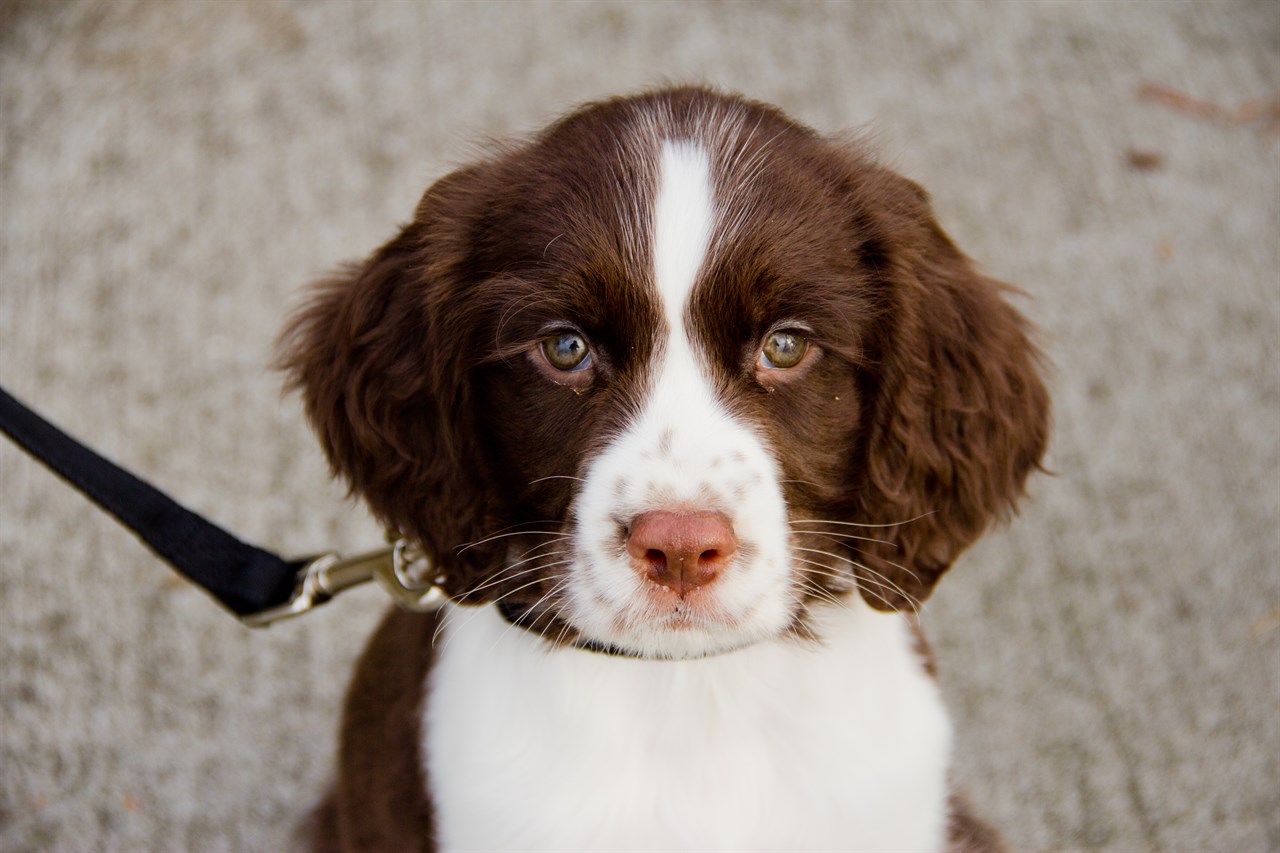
[384,389]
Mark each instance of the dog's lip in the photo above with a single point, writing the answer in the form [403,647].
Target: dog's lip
[682,620]
[698,607]
[685,615]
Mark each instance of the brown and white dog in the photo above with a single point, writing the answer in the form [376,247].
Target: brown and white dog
[692,406]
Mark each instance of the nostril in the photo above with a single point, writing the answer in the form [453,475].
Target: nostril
[681,550]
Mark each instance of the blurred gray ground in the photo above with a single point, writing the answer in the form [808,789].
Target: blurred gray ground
[170,174]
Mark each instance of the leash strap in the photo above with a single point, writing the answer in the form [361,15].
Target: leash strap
[256,585]
[244,578]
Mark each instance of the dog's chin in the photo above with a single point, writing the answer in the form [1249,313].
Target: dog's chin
[670,628]
[673,642]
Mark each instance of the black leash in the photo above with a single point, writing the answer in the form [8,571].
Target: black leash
[256,585]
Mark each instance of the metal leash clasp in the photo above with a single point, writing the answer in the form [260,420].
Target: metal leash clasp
[409,577]
[395,567]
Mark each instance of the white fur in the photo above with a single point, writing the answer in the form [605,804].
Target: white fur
[786,745]
[683,219]
[683,451]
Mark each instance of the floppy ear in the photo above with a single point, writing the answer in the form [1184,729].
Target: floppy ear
[380,373]
[961,415]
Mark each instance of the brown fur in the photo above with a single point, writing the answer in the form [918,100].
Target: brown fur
[380,803]
[923,415]
[967,833]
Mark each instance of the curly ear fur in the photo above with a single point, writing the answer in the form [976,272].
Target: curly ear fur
[375,353]
[960,417]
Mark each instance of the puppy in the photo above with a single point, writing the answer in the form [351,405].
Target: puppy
[691,406]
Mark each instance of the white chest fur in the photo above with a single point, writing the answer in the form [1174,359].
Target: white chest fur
[841,745]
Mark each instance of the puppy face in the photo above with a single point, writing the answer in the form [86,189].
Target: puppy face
[671,372]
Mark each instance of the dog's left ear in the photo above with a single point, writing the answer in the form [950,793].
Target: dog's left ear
[379,354]
[961,415]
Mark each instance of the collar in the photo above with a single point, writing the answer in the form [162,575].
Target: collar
[524,619]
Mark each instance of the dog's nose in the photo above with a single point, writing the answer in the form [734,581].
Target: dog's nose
[681,550]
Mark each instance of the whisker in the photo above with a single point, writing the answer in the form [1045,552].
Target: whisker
[823,553]
[859,524]
[435,635]
[562,582]
[534,582]
[554,533]
[878,597]
[889,586]
[915,576]
[525,557]
[552,611]
[833,535]
[819,592]
[800,624]
[514,527]
[848,582]
[854,562]
[503,576]
[481,608]
[875,577]
[557,477]
[538,545]
[565,626]
[827,570]
[514,308]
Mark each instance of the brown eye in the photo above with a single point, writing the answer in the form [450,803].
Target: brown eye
[567,352]
[783,350]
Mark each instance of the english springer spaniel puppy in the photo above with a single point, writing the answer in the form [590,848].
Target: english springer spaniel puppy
[691,406]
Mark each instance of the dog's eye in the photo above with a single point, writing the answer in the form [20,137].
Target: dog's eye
[567,351]
[782,350]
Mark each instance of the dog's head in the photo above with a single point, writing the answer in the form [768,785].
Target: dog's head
[671,372]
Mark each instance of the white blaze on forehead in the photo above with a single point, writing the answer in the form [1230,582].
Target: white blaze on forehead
[682,219]
[681,450]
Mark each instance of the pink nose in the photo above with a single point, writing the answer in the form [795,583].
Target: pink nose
[681,550]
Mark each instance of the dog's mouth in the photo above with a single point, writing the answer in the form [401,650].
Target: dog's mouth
[684,616]
[653,621]
[682,619]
